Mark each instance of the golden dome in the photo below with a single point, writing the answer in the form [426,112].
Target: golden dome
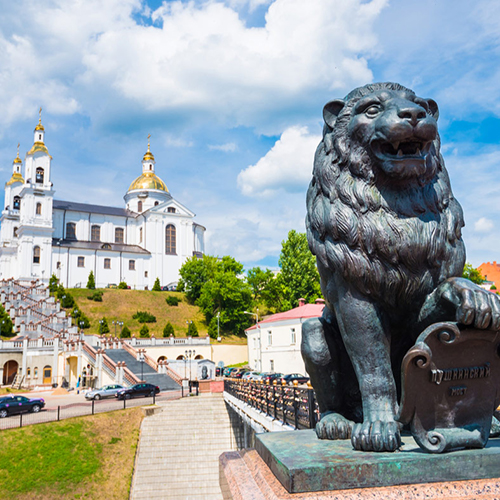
[148,180]
[40,127]
[38,146]
[148,156]
[15,178]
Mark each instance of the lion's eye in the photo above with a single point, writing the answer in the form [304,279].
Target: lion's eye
[372,110]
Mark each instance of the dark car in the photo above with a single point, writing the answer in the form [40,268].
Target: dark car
[271,377]
[301,379]
[138,390]
[238,373]
[10,405]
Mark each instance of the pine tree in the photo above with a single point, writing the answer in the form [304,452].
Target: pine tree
[91,281]
[157,286]
[144,331]
[125,333]
[53,283]
[168,330]
[192,330]
[103,326]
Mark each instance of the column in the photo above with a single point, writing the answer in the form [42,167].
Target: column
[25,357]
[79,363]
[55,361]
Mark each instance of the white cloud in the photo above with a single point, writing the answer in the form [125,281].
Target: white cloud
[229,147]
[177,142]
[287,165]
[483,225]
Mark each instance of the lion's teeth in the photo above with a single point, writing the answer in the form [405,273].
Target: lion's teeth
[400,152]
[418,152]
[395,145]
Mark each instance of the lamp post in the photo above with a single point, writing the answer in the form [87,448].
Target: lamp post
[140,358]
[100,326]
[190,354]
[81,329]
[188,323]
[115,323]
[121,326]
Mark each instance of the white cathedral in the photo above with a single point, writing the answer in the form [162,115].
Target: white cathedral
[39,236]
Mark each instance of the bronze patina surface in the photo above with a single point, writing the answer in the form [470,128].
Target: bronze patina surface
[302,463]
[451,387]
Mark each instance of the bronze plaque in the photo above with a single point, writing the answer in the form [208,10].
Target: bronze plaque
[451,387]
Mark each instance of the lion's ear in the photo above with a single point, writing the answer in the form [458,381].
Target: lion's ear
[332,110]
[433,108]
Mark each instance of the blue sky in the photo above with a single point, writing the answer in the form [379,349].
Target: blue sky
[232,93]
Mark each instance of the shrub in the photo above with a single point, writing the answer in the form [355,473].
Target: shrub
[96,296]
[192,330]
[79,317]
[53,284]
[144,317]
[172,300]
[91,281]
[168,330]
[103,326]
[122,285]
[65,297]
[125,333]
[5,323]
[144,331]
[493,287]
[157,286]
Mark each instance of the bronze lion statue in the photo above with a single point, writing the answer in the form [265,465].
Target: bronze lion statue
[386,231]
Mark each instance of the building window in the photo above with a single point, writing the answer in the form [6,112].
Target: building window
[131,265]
[38,209]
[58,265]
[36,255]
[81,261]
[139,206]
[95,233]
[145,274]
[269,337]
[272,364]
[293,338]
[15,232]
[157,203]
[28,372]
[107,263]
[140,235]
[170,239]
[70,231]
[119,235]
[39,175]
[106,246]
[36,372]
[171,210]
[17,203]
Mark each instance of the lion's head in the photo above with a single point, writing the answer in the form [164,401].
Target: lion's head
[380,206]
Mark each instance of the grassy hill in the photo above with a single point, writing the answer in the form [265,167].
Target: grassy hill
[120,305]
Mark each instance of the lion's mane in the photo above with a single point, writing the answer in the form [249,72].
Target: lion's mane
[392,240]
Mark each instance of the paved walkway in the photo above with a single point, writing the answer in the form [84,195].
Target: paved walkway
[179,449]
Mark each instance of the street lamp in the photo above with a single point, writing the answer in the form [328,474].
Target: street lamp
[253,314]
[121,326]
[140,358]
[190,354]
[115,323]
[101,322]
[218,327]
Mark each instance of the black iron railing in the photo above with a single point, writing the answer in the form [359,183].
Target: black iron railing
[293,405]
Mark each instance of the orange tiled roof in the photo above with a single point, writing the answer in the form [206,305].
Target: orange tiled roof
[491,271]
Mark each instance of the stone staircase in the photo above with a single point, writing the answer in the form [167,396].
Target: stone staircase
[163,381]
[179,449]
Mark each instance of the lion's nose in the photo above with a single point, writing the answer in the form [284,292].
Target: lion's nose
[412,113]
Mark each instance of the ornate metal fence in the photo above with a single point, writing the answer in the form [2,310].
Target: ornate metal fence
[293,405]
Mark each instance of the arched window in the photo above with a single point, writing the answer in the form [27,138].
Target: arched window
[119,235]
[106,246]
[139,206]
[17,203]
[171,210]
[157,203]
[70,231]
[95,233]
[38,209]
[36,255]
[39,175]
[170,245]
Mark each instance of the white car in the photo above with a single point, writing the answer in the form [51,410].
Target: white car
[108,391]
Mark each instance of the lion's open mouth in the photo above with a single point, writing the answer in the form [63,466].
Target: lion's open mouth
[401,150]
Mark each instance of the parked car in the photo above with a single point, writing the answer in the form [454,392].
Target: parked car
[255,376]
[271,377]
[138,390]
[249,375]
[108,391]
[238,373]
[228,372]
[290,378]
[10,405]
[111,285]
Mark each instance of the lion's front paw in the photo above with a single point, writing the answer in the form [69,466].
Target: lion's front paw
[334,426]
[376,436]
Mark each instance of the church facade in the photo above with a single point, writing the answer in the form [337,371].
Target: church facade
[150,237]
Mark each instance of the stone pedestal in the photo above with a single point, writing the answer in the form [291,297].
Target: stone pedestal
[331,470]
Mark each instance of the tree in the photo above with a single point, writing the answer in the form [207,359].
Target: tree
[267,290]
[125,333]
[473,274]
[299,276]
[5,323]
[53,284]
[192,330]
[103,326]
[80,319]
[157,286]
[91,281]
[65,297]
[144,331]
[194,274]
[168,330]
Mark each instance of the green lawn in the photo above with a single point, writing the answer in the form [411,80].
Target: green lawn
[87,457]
